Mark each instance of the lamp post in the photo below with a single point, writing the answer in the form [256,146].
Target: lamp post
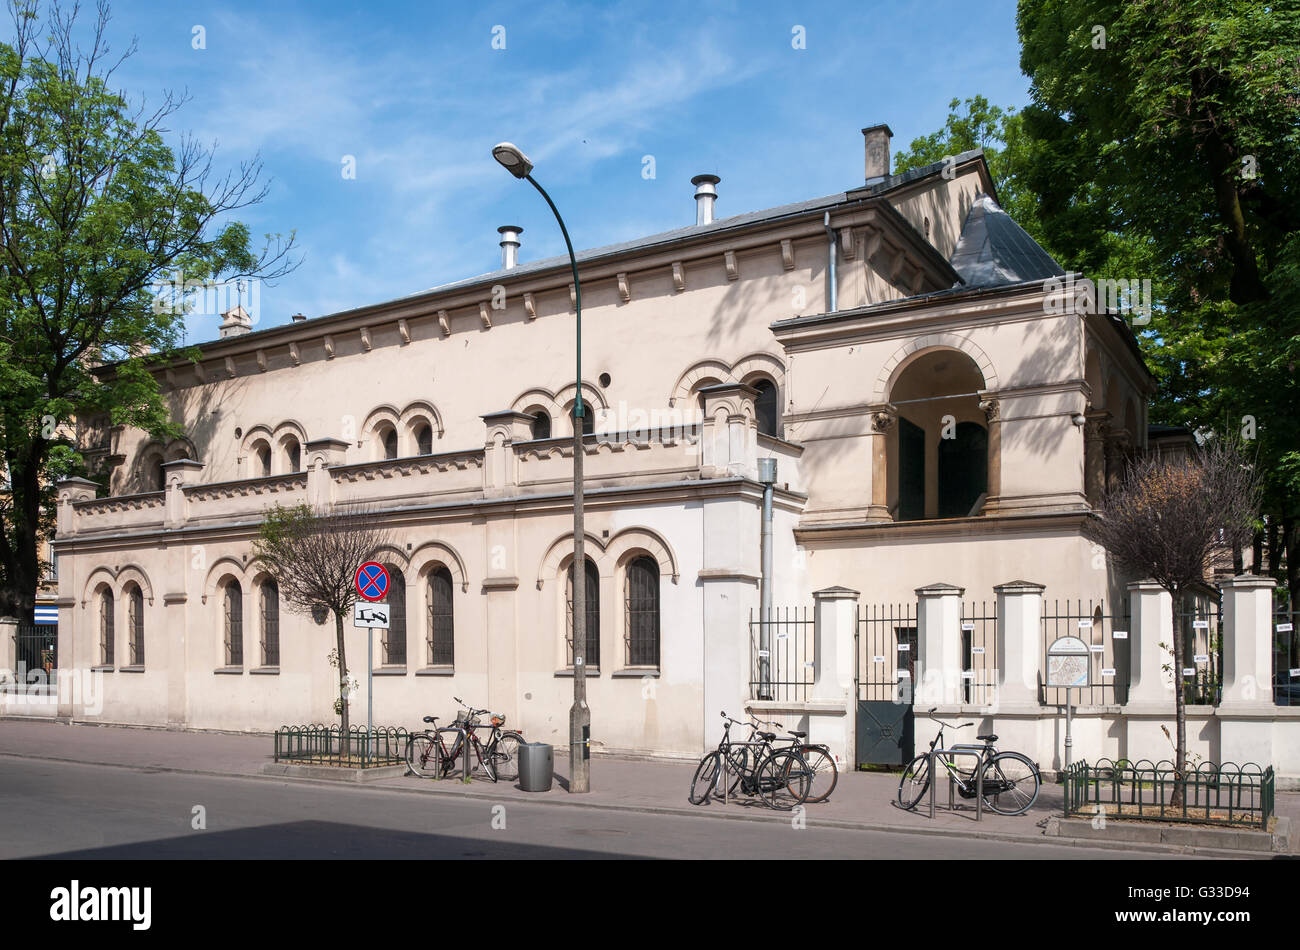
[515,162]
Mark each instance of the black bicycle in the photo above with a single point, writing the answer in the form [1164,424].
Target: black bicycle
[779,777]
[823,775]
[436,751]
[1010,780]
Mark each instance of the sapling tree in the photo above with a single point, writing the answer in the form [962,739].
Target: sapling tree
[313,554]
[1169,518]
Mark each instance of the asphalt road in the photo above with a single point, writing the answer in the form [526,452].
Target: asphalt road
[64,810]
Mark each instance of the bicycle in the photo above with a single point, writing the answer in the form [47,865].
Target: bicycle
[1010,780]
[823,777]
[780,778]
[498,757]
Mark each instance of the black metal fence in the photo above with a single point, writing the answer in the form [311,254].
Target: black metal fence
[781,649]
[1211,794]
[1110,660]
[885,647]
[318,744]
[1197,621]
[37,653]
[1286,653]
[979,655]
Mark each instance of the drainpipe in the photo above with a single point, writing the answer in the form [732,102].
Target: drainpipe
[830,262]
[767,476]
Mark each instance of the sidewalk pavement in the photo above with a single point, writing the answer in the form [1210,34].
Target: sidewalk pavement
[862,800]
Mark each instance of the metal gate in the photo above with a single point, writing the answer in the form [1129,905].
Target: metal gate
[884,674]
[37,652]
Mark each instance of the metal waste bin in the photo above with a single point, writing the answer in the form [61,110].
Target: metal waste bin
[536,766]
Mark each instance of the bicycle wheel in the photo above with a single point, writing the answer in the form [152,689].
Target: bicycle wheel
[706,779]
[1010,783]
[915,781]
[784,779]
[505,757]
[450,746]
[823,775]
[421,754]
[740,762]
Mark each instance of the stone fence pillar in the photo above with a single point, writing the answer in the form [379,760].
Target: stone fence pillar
[1019,642]
[8,650]
[938,635]
[832,709]
[1247,630]
[1152,625]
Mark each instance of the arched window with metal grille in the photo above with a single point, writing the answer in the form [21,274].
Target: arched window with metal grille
[135,623]
[766,410]
[641,609]
[106,627]
[592,655]
[233,610]
[395,635]
[269,608]
[440,637]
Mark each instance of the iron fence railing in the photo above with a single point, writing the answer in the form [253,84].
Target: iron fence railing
[979,655]
[1197,621]
[785,670]
[1225,794]
[317,744]
[37,653]
[1107,636]
[1286,654]
[885,648]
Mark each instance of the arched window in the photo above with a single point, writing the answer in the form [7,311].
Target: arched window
[292,455]
[395,635]
[765,407]
[441,636]
[233,609]
[106,627]
[424,438]
[262,454]
[157,477]
[390,443]
[963,470]
[588,416]
[269,608]
[541,425]
[135,623]
[641,603]
[592,613]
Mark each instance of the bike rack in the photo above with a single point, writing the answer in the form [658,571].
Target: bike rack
[973,750]
[726,761]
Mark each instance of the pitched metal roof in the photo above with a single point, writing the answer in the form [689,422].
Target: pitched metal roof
[994,250]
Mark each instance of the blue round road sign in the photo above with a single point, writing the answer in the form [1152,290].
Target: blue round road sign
[372,581]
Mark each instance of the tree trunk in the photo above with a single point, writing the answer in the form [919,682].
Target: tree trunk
[1274,547]
[1238,560]
[1246,285]
[1292,544]
[1180,704]
[1257,554]
[343,675]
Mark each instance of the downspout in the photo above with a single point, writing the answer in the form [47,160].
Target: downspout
[767,476]
[830,263]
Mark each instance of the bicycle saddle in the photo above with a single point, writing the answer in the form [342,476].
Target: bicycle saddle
[799,735]
[990,737]
[430,718]
[769,736]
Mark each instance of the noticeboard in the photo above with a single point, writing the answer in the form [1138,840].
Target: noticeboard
[1069,663]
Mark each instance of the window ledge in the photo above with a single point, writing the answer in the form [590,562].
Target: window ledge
[436,671]
[265,671]
[228,669]
[102,668]
[135,668]
[635,672]
[568,671]
[390,671]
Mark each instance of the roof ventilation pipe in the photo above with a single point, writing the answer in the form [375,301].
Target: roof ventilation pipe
[510,245]
[705,195]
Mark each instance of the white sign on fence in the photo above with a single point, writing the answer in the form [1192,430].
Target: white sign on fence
[1201,658]
[1119,635]
[1107,671]
[1284,628]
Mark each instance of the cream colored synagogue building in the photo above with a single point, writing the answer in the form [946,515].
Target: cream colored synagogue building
[941,427]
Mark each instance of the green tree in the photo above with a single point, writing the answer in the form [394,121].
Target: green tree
[95,210]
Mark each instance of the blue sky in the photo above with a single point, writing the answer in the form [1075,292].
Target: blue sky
[417,94]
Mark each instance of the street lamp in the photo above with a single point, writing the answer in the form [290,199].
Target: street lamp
[517,163]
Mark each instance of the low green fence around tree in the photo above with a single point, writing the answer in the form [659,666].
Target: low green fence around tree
[318,744]
[1225,794]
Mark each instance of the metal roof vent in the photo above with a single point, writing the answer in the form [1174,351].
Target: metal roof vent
[510,245]
[705,195]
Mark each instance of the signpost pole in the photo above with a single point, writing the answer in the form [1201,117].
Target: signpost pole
[370,680]
[1069,742]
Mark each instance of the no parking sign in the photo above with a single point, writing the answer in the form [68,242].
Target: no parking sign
[372,581]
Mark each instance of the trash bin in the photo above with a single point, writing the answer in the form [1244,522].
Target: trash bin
[536,766]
